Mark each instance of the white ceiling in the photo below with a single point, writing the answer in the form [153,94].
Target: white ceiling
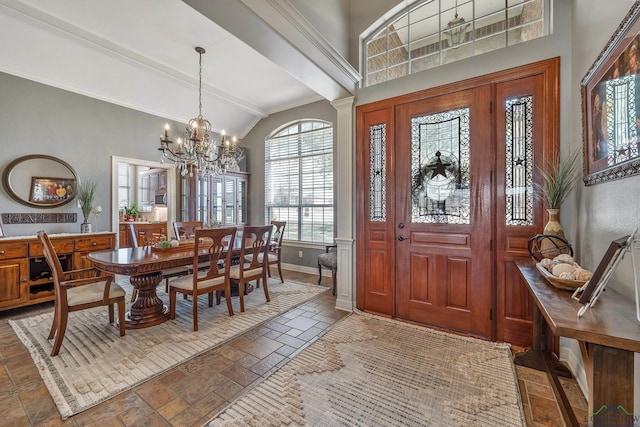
[141,54]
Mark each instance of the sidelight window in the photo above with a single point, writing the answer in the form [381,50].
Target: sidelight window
[519,161]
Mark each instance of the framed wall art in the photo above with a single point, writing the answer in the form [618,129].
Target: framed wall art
[52,191]
[611,106]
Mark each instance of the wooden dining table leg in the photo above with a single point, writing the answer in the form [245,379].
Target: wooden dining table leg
[148,309]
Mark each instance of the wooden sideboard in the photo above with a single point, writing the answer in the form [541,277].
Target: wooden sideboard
[608,334]
[25,277]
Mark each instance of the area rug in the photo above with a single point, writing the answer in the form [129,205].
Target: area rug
[368,371]
[95,363]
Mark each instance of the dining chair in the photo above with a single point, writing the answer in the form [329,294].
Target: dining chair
[78,294]
[255,243]
[185,230]
[274,254]
[275,248]
[329,259]
[145,234]
[218,243]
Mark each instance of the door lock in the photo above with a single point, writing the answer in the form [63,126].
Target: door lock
[401,225]
[401,238]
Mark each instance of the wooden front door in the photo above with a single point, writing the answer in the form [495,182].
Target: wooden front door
[445,181]
[443,213]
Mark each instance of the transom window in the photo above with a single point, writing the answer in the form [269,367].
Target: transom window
[299,180]
[430,33]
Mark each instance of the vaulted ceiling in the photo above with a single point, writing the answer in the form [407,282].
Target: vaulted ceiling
[261,56]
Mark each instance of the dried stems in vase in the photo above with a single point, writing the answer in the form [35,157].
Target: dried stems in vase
[86,196]
[559,177]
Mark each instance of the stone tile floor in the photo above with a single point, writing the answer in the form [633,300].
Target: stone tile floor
[197,390]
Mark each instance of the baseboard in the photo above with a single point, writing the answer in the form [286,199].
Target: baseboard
[568,356]
[301,269]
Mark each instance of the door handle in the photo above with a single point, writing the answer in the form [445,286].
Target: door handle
[401,225]
[401,238]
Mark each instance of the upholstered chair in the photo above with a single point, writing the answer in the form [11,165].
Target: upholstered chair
[329,260]
[218,243]
[255,244]
[73,294]
[275,248]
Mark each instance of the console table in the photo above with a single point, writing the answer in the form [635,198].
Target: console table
[25,277]
[608,334]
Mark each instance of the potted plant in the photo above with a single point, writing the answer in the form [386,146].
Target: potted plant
[559,177]
[86,195]
[132,211]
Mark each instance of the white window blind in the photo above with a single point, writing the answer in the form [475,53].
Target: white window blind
[124,184]
[299,180]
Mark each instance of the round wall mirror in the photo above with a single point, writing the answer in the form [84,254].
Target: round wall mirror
[41,181]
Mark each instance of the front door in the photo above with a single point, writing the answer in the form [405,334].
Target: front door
[445,180]
[443,211]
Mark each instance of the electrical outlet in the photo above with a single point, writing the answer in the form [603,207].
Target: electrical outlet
[299,254]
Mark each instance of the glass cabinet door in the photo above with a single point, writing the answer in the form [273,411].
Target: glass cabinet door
[201,200]
[230,201]
[216,199]
[219,200]
[241,202]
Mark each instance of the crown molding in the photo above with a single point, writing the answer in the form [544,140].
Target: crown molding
[290,24]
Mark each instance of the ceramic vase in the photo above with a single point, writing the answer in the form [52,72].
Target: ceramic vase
[553,226]
[548,248]
[85,227]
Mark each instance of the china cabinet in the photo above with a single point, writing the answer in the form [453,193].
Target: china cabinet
[220,199]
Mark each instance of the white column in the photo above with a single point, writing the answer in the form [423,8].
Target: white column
[345,202]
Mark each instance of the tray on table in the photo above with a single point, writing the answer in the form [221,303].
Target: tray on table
[185,245]
[566,284]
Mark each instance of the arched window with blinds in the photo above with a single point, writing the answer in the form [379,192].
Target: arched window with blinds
[299,180]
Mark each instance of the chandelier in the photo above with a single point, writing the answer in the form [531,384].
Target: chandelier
[199,153]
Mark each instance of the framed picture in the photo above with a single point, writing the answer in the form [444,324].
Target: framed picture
[45,190]
[611,106]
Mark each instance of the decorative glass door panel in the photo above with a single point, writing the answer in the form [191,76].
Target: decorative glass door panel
[378,172]
[519,160]
[440,167]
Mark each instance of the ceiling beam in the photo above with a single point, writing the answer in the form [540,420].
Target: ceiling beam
[275,29]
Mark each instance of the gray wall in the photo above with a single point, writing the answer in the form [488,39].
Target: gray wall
[604,211]
[254,141]
[39,119]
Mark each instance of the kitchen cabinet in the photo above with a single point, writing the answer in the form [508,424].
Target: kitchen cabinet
[152,182]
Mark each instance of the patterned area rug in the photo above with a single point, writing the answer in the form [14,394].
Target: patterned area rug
[95,363]
[368,371]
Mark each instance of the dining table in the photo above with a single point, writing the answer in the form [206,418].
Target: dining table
[144,267]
